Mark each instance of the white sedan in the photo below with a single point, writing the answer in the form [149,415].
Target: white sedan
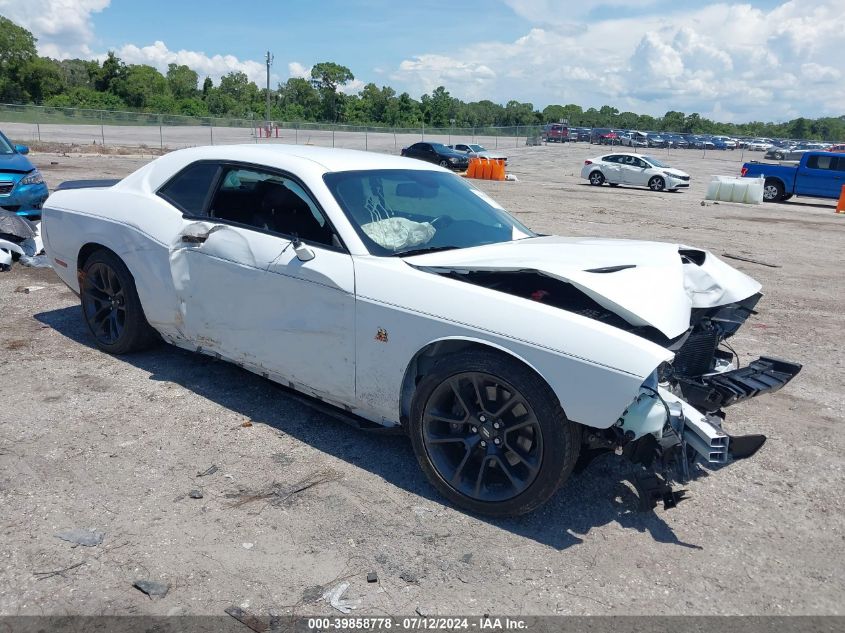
[633,169]
[479,151]
[759,145]
[406,297]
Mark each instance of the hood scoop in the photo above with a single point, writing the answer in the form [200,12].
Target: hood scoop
[610,269]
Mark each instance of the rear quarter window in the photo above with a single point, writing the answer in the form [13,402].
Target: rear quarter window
[189,189]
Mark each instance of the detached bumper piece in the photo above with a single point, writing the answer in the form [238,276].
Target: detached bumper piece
[764,375]
[652,488]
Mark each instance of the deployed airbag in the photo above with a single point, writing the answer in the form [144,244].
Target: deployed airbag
[398,233]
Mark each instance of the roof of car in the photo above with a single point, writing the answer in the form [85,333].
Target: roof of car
[279,156]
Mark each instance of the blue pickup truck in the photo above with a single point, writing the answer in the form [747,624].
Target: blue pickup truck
[817,174]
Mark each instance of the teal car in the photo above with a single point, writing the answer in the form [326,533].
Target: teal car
[22,187]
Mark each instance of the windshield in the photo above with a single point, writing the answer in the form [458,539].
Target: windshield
[5,145]
[407,211]
[477,148]
[656,162]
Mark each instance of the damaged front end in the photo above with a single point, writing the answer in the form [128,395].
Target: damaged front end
[677,418]
[682,299]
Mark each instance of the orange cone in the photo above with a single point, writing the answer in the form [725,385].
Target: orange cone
[840,207]
[499,172]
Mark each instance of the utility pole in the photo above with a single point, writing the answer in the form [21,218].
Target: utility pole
[269,61]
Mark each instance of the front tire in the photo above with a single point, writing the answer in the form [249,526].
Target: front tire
[490,434]
[657,183]
[111,307]
[443,163]
[596,179]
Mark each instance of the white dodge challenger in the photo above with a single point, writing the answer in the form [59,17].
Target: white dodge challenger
[406,297]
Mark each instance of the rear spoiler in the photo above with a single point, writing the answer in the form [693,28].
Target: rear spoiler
[86,184]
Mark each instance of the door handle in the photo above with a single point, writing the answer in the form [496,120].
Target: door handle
[194,239]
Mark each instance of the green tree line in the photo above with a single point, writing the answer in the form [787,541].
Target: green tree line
[27,78]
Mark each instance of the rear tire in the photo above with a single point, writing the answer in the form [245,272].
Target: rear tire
[772,190]
[490,434]
[596,178]
[111,307]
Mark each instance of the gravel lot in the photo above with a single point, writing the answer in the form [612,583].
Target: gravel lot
[115,444]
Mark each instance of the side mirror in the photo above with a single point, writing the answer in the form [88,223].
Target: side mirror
[303,253]
[21,149]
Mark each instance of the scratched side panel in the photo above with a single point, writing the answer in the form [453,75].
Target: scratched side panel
[137,228]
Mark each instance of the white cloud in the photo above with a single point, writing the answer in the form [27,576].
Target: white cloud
[734,61]
[436,70]
[63,27]
[562,12]
[214,66]
[295,69]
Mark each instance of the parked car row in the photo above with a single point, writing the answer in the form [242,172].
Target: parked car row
[779,148]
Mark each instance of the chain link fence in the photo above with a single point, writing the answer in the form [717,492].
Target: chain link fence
[76,126]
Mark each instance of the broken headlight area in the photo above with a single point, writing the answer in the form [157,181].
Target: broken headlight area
[676,420]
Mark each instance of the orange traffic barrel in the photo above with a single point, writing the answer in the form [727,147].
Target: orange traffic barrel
[488,169]
[472,169]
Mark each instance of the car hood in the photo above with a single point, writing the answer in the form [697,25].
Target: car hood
[674,172]
[646,283]
[15,163]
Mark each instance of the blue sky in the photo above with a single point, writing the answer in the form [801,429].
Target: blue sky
[754,60]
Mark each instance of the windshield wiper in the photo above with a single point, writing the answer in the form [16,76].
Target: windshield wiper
[426,249]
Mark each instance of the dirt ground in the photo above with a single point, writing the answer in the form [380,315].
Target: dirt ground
[301,501]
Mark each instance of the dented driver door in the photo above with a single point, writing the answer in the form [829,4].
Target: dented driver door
[245,295]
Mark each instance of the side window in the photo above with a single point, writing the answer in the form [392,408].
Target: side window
[840,163]
[821,162]
[189,189]
[638,162]
[270,202]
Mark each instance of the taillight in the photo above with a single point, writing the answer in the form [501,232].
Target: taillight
[588,162]
[743,171]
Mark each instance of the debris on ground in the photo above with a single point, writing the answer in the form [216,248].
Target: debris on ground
[372,577]
[152,588]
[748,259]
[43,575]
[36,261]
[246,424]
[14,226]
[78,536]
[313,593]
[7,251]
[248,619]
[208,471]
[195,494]
[335,598]
[423,611]
[248,545]
[410,577]
[277,495]
[27,289]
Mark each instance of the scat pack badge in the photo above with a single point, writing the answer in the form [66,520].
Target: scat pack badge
[381,335]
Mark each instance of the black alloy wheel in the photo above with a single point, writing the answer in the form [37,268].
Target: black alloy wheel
[111,307]
[490,435]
